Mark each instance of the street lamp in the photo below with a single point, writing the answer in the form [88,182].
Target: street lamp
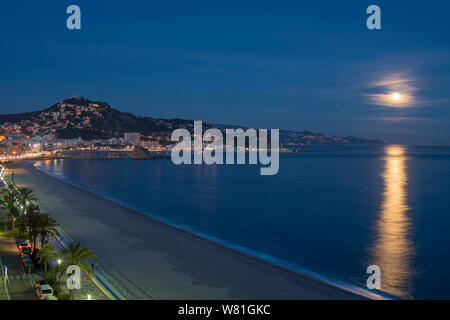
[59,262]
[89,297]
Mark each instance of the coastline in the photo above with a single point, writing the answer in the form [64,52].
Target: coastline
[174,263]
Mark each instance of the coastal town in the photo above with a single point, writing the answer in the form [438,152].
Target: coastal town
[38,135]
[18,146]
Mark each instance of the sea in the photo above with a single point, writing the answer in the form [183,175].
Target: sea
[333,211]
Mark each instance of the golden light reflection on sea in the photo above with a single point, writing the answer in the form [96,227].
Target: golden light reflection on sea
[393,250]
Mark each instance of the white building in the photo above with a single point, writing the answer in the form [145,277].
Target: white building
[132,137]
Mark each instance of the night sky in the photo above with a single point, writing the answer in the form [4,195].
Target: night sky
[301,65]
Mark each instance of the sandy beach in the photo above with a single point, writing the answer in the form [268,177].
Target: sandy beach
[153,260]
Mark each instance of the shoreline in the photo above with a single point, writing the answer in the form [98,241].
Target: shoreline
[301,285]
[260,256]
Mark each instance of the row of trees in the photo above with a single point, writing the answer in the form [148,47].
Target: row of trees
[29,219]
[39,227]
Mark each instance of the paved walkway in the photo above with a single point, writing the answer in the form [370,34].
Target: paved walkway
[88,286]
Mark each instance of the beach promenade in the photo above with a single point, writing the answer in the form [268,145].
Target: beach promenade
[152,260]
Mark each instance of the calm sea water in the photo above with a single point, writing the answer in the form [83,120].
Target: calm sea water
[334,210]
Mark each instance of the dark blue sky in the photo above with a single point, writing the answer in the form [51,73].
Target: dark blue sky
[273,64]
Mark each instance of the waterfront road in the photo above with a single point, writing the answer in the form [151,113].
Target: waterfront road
[19,285]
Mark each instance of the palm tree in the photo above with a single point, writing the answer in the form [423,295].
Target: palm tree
[31,221]
[14,191]
[10,187]
[8,197]
[26,195]
[21,226]
[46,227]
[46,253]
[79,256]
[14,214]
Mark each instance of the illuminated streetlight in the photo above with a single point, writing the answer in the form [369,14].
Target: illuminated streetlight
[59,262]
[89,297]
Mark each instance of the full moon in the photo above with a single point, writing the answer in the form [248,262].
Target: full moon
[396,96]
